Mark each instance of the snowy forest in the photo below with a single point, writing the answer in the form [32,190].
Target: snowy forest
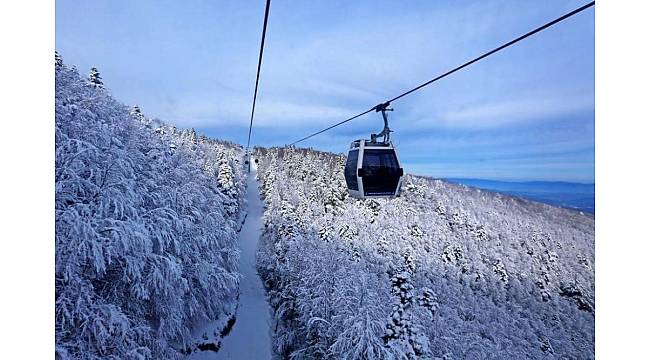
[147,221]
[443,272]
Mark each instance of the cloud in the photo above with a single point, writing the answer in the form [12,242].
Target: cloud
[504,113]
[289,114]
[324,63]
[509,112]
[209,109]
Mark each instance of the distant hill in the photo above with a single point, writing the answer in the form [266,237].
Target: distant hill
[569,195]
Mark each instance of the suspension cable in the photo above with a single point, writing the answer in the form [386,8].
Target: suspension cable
[512,42]
[259,66]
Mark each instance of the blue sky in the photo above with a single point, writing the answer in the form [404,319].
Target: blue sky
[526,113]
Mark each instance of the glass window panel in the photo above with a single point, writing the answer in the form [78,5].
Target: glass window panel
[381,172]
[351,170]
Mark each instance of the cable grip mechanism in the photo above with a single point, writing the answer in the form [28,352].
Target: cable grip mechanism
[383,107]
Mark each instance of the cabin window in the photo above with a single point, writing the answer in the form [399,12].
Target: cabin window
[351,170]
[381,171]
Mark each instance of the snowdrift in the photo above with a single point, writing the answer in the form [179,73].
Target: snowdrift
[444,271]
[146,225]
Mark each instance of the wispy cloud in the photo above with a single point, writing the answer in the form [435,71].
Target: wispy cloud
[207,109]
[530,107]
[509,112]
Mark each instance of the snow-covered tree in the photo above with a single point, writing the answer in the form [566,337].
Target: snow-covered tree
[94,78]
[444,271]
[58,61]
[145,246]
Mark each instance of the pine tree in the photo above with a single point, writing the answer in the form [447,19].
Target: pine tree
[58,62]
[95,78]
[134,281]
[137,113]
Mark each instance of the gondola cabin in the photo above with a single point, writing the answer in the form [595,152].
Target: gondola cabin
[373,170]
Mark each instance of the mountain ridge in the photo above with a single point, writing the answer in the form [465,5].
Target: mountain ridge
[569,195]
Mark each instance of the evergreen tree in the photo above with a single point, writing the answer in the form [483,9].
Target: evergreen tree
[136,231]
[137,114]
[58,62]
[446,265]
[95,78]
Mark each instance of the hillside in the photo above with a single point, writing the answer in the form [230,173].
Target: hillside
[147,217]
[444,271]
[146,224]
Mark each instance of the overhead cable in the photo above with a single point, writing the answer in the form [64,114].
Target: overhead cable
[476,59]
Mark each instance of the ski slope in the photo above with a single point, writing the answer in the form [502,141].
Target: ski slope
[250,337]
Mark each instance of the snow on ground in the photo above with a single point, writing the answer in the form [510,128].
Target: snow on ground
[250,337]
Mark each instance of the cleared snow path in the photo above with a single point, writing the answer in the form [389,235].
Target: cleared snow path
[250,338]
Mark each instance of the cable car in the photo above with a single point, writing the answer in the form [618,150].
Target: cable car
[373,169]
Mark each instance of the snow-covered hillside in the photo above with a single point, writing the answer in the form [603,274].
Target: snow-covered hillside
[146,225]
[444,271]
